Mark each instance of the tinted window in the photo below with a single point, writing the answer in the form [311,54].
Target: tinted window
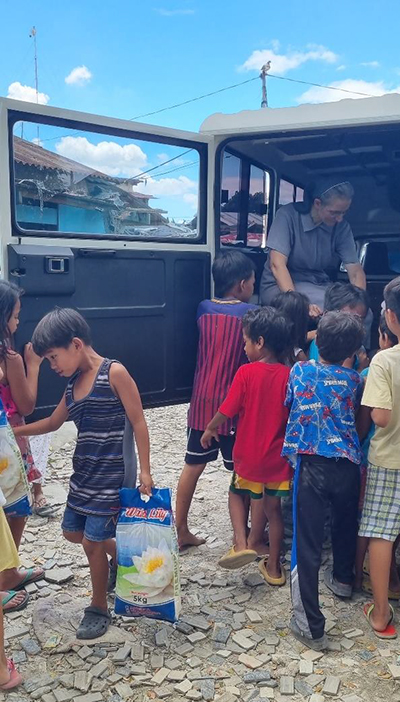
[230,198]
[90,183]
[258,206]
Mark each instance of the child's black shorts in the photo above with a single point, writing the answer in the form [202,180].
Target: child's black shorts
[196,454]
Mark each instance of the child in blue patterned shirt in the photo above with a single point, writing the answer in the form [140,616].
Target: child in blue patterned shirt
[322,440]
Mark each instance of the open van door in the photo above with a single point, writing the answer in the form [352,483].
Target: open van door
[109,217]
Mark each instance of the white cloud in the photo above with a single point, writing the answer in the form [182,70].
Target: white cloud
[169,187]
[192,200]
[106,156]
[316,95]
[172,13]
[371,64]
[341,68]
[17,91]
[37,141]
[79,76]
[282,63]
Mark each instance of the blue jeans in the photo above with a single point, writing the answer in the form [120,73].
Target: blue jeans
[94,527]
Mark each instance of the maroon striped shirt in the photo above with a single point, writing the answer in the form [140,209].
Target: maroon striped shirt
[220,354]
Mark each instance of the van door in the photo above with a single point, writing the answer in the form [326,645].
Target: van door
[109,218]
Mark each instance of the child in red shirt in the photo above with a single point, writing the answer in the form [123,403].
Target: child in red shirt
[257,395]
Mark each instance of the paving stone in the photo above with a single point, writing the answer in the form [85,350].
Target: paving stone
[156,660]
[172,663]
[62,695]
[160,676]
[49,698]
[254,580]
[224,653]
[183,687]
[194,662]
[84,652]
[184,649]
[334,646]
[197,622]
[272,639]
[395,671]
[36,681]
[82,680]
[306,667]
[30,646]
[100,668]
[183,627]
[196,637]
[243,641]
[124,690]
[122,654]
[99,685]
[40,692]
[353,633]
[59,575]
[347,644]
[253,616]
[176,675]
[207,689]
[138,669]
[249,661]
[257,676]
[366,655]
[311,655]
[303,688]
[19,656]
[351,698]
[114,678]
[194,695]
[221,633]
[317,698]
[286,685]
[266,693]
[331,686]
[137,650]
[162,637]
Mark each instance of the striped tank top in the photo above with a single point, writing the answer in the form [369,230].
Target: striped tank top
[104,458]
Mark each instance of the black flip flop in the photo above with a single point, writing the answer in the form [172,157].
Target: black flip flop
[95,623]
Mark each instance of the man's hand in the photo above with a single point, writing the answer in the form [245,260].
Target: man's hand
[314,311]
[145,484]
[208,436]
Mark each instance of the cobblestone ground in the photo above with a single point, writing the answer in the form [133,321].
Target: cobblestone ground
[232,642]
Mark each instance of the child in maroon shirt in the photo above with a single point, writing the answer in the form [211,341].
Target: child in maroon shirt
[257,395]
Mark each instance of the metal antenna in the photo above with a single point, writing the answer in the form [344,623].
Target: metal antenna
[263,76]
[33,36]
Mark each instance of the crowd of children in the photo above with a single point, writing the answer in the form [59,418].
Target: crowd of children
[289,418]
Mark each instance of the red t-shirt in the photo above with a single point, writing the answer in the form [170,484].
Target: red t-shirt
[257,395]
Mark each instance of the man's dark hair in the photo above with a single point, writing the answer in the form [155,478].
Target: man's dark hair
[339,336]
[391,295]
[229,269]
[58,328]
[384,329]
[339,295]
[273,326]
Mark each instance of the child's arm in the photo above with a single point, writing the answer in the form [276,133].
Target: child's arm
[45,426]
[381,417]
[23,385]
[363,422]
[126,389]
[211,431]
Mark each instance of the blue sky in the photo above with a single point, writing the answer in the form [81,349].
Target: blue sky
[135,57]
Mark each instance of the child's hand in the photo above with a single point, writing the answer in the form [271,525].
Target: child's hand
[208,436]
[30,357]
[145,484]
[363,360]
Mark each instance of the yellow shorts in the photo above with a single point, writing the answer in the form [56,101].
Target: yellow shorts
[8,552]
[256,491]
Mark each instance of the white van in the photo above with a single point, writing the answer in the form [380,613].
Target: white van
[121,220]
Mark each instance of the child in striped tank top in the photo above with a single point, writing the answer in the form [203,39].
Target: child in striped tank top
[103,401]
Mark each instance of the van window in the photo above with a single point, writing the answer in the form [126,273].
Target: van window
[244,202]
[289,192]
[230,198]
[104,185]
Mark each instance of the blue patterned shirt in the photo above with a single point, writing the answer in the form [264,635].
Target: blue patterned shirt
[323,400]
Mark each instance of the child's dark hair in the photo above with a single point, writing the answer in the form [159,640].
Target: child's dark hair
[391,295]
[230,268]
[9,296]
[58,328]
[339,295]
[339,336]
[384,329]
[273,327]
[295,306]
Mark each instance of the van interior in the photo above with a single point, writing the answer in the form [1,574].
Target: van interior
[261,173]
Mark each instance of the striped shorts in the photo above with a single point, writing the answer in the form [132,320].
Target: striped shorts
[381,511]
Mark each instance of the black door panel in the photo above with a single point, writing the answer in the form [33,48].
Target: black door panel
[140,305]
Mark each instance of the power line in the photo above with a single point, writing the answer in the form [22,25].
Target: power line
[139,175]
[318,85]
[200,97]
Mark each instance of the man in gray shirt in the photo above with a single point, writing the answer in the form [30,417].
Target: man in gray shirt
[303,247]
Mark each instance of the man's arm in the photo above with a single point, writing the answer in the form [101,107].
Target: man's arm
[126,389]
[45,426]
[356,275]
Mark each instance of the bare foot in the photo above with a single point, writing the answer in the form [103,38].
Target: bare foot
[186,539]
[261,548]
